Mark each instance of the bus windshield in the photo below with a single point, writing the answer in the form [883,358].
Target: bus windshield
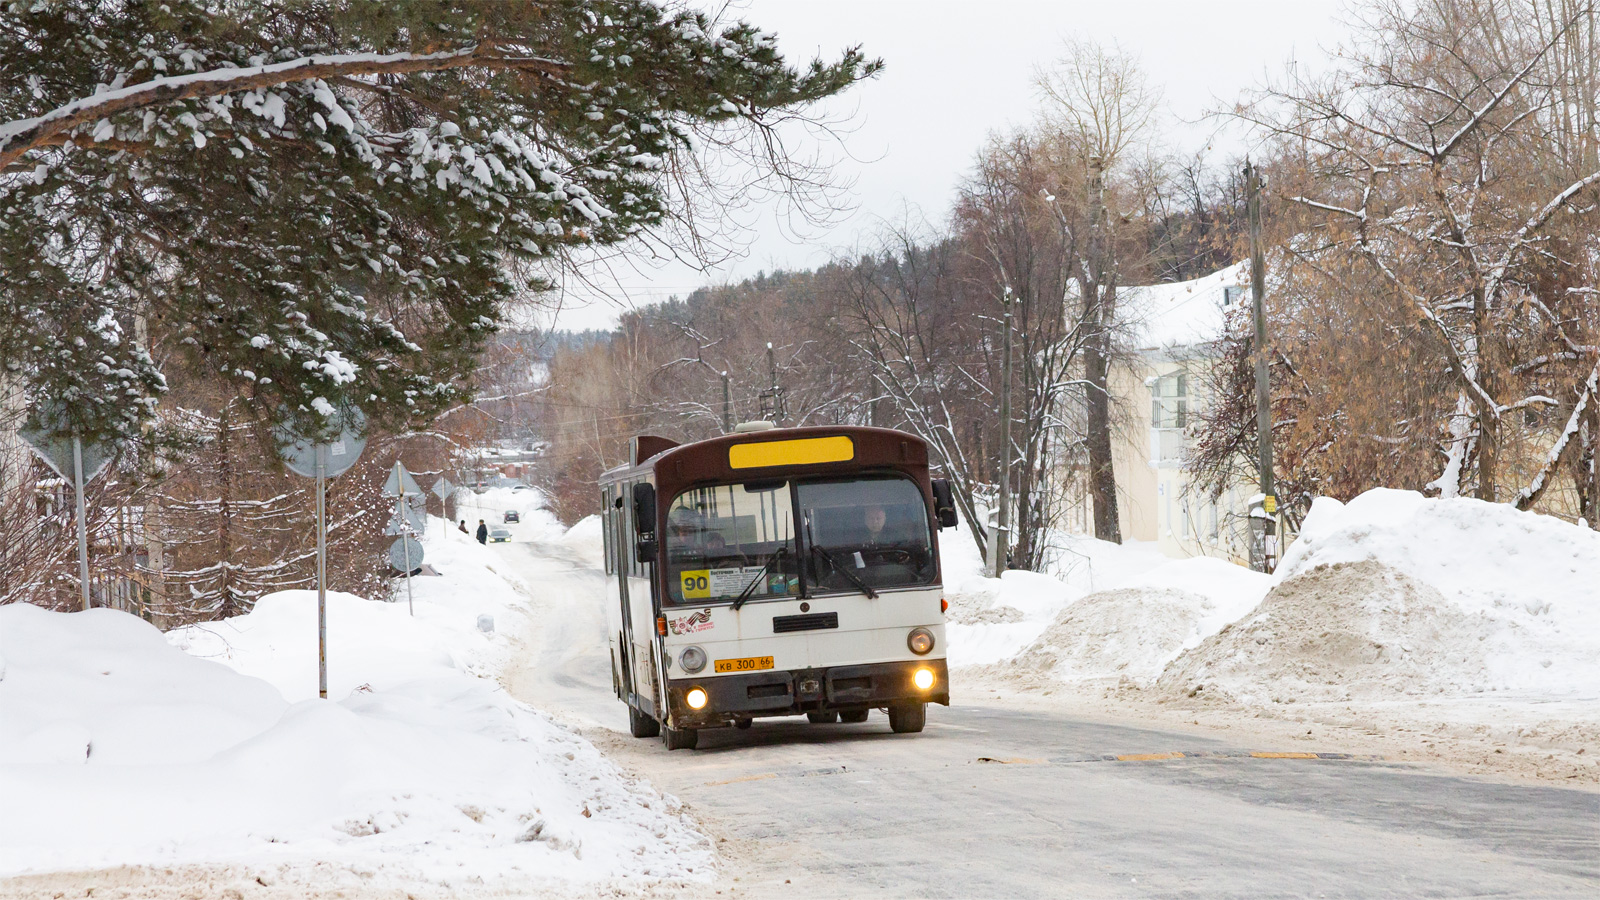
[727,539]
[865,531]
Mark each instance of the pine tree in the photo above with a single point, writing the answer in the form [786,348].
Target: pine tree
[324,205]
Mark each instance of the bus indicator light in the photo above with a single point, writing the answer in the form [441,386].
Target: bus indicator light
[923,679]
[696,698]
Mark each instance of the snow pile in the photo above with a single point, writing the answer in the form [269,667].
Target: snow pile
[1106,611]
[1398,595]
[120,748]
[376,644]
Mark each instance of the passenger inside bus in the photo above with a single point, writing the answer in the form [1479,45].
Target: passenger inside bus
[731,541]
[869,532]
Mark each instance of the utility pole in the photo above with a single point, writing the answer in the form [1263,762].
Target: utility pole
[1000,539]
[1258,292]
[727,406]
[772,407]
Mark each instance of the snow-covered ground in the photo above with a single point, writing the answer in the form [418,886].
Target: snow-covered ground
[1457,619]
[1104,612]
[123,746]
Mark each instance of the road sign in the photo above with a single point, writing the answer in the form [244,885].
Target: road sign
[77,462]
[401,482]
[300,455]
[303,456]
[443,488]
[55,448]
[405,555]
[411,521]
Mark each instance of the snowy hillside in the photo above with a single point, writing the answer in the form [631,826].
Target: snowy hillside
[121,748]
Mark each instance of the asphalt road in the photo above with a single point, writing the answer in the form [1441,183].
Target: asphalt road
[992,801]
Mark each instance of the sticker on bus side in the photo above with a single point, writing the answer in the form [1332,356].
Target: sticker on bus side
[703,584]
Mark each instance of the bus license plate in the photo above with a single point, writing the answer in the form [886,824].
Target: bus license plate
[748,664]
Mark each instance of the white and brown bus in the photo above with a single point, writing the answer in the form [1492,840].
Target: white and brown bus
[774,572]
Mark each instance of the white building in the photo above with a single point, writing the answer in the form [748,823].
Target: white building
[1156,391]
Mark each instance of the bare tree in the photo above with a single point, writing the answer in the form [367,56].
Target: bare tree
[1099,113]
[1449,161]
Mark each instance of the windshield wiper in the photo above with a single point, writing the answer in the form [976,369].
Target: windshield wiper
[750,588]
[865,588]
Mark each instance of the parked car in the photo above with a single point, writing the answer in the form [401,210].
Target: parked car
[499,535]
[513,516]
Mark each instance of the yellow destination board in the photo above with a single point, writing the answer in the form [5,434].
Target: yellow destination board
[799,452]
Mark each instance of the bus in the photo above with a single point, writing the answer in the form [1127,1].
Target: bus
[775,572]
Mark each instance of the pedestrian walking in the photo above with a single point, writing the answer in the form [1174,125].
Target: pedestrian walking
[463,527]
[483,532]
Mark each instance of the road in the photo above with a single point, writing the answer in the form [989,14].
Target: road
[998,801]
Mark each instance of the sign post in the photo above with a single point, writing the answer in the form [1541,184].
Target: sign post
[443,489]
[402,486]
[83,519]
[309,459]
[63,450]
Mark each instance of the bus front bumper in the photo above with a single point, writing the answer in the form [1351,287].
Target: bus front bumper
[790,692]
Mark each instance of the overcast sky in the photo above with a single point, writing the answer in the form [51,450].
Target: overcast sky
[958,70]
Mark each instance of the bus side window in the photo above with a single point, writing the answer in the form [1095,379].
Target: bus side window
[605,530]
[626,538]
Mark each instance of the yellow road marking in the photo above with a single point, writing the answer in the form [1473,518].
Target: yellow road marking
[1146,757]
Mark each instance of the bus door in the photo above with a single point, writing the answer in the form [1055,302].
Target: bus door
[639,609]
[618,548]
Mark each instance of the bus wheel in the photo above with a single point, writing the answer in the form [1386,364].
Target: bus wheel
[853,716]
[641,725]
[908,718]
[680,738]
[822,718]
[742,724]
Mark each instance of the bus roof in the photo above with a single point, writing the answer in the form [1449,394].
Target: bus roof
[776,453]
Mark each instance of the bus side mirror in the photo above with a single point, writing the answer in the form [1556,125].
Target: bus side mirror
[944,503]
[644,522]
[644,550]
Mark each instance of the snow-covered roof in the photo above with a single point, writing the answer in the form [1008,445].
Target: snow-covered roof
[1182,313]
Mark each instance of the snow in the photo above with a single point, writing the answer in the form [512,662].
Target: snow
[1393,603]
[1530,582]
[223,78]
[1022,614]
[207,745]
[1182,313]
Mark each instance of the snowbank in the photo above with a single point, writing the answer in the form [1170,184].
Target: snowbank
[121,748]
[1104,611]
[1397,595]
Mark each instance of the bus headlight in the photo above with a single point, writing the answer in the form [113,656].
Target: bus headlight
[923,679]
[696,698]
[692,659]
[920,640]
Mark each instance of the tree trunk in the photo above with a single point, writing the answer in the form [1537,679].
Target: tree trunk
[225,585]
[1102,476]
[1590,497]
[1097,364]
